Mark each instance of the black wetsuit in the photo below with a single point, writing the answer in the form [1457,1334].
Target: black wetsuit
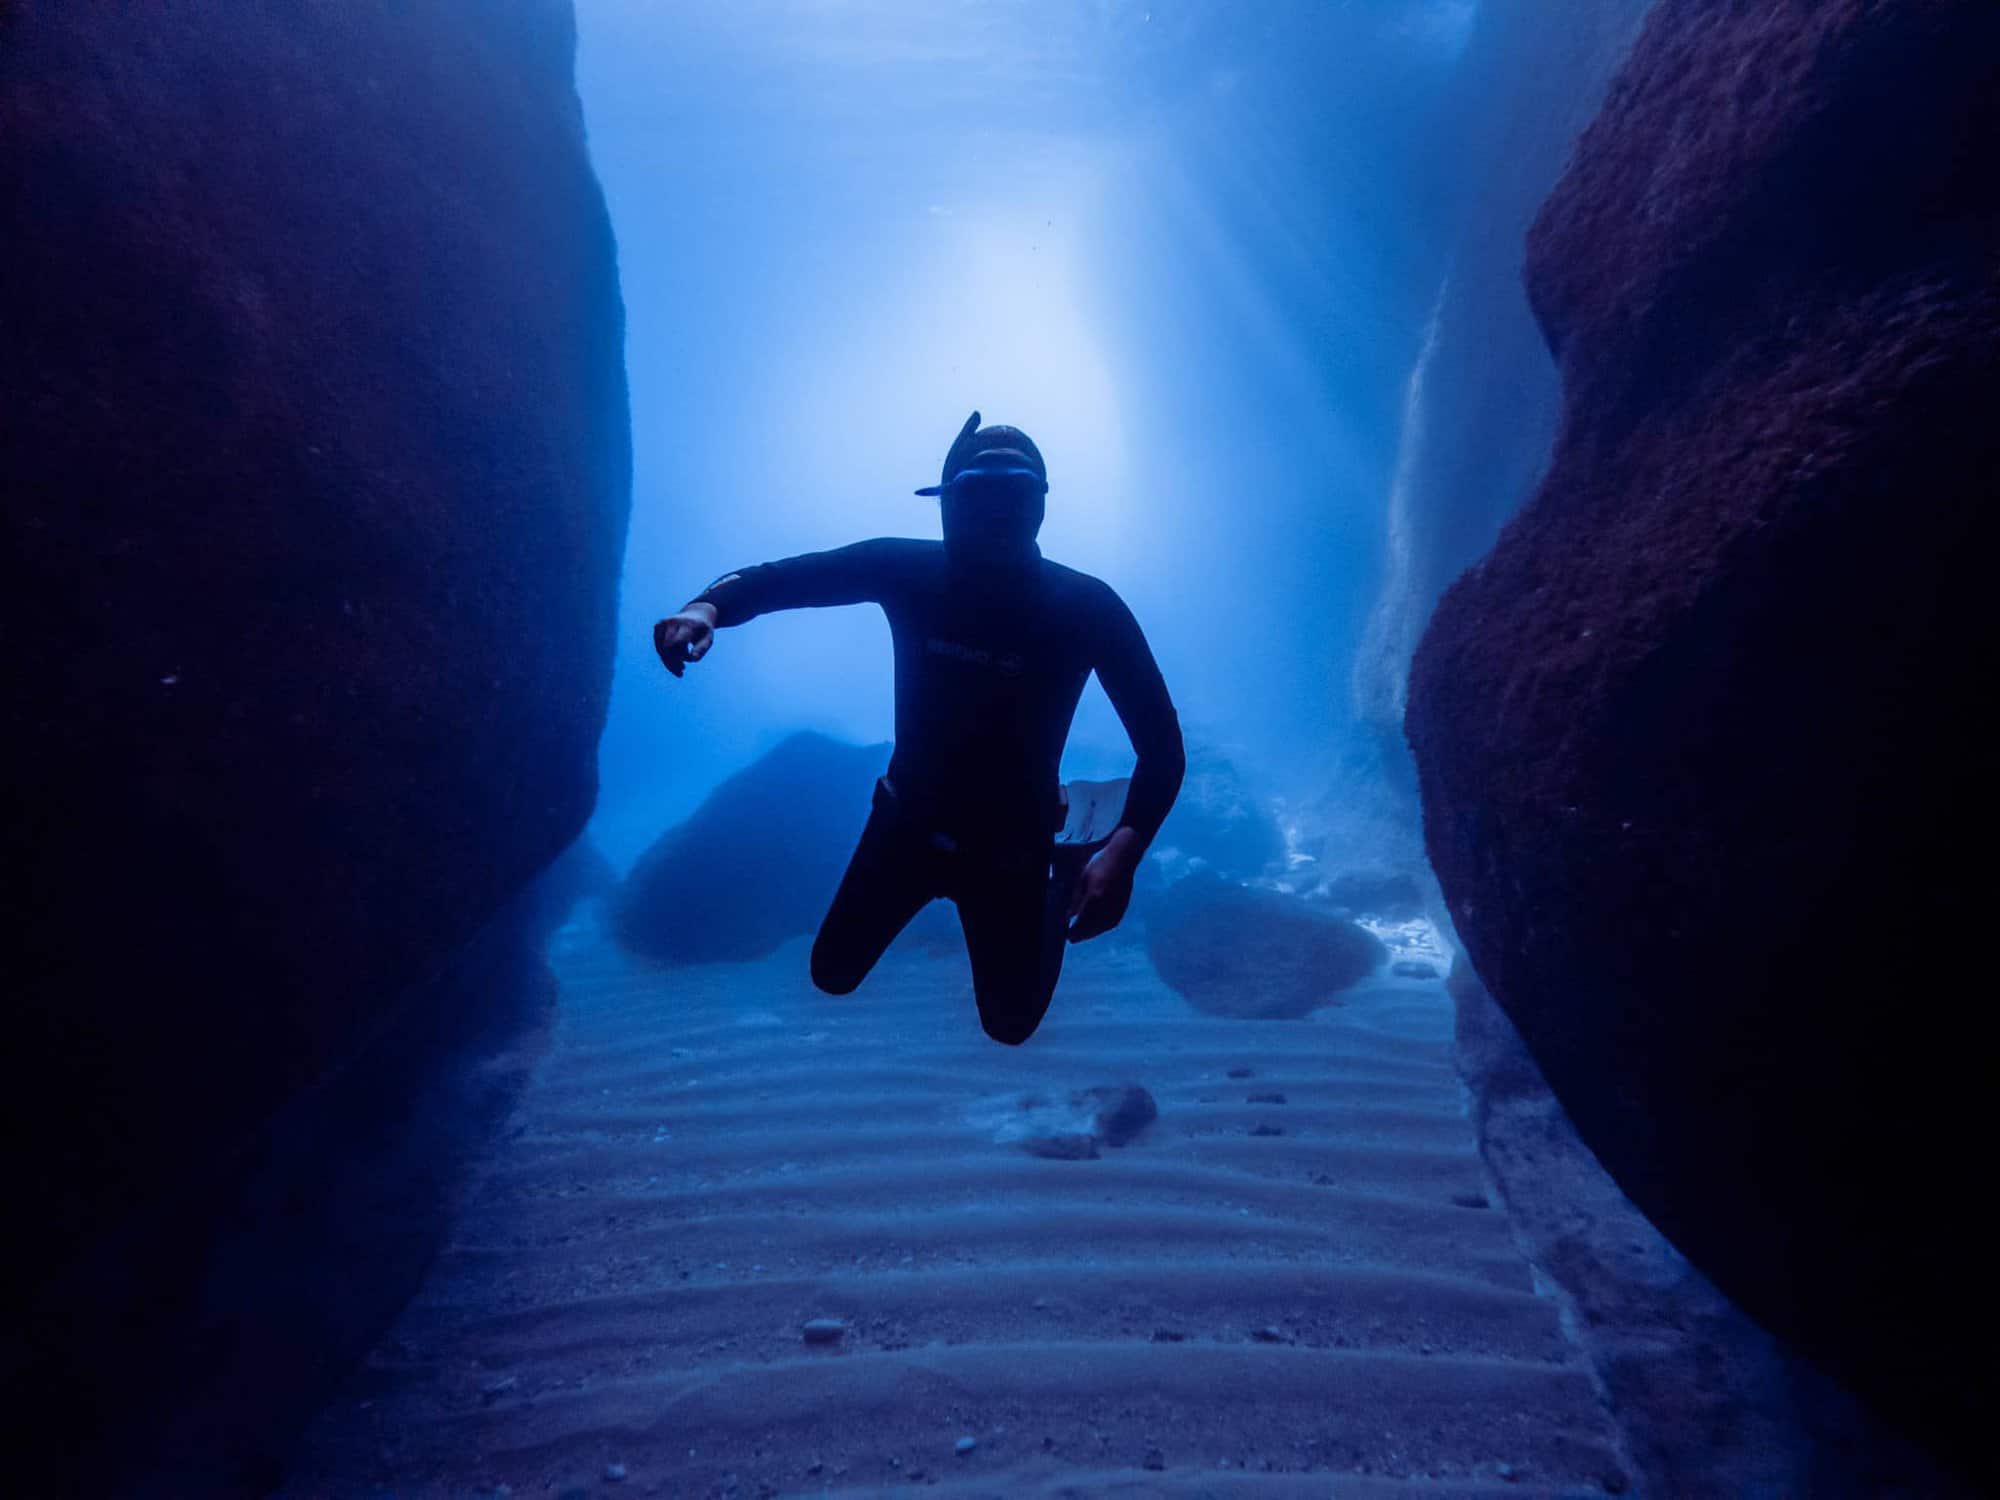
[990,664]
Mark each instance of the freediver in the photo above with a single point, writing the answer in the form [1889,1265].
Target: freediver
[993,645]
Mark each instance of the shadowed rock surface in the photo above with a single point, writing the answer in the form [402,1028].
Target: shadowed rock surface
[1234,950]
[316,469]
[1712,684]
[759,860]
[1707,1402]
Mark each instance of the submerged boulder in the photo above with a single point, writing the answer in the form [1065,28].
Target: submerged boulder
[1235,950]
[1723,678]
[317,466]
[758,862]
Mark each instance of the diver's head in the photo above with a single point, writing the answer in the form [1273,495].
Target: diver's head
[993,494]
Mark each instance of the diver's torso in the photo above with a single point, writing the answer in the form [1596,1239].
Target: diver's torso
[989,670]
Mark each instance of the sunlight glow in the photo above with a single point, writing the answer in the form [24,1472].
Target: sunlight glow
[992,315]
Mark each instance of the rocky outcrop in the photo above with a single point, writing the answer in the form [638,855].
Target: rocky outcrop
[1236,950]
[758,861]
[1706,1402]
[1717,680]
[316,472]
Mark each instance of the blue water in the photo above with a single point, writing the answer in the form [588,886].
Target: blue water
[1197,252]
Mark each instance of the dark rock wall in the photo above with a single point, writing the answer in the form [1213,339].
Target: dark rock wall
[1706,1402]
[316,468]
[1711,705]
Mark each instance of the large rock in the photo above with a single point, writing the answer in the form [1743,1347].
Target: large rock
[316,471]
[760,859]
[1236,950]
[1706,1401]
[1720,684]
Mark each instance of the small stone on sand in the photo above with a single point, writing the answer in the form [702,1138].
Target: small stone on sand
[964,1446]
[823,1330]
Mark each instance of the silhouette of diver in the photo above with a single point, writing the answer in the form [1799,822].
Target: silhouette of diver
[993,646]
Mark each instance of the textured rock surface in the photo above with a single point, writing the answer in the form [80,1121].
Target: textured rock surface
[316,470]
[759,860]
[1717,681]
[1233,950]
[1706,1402]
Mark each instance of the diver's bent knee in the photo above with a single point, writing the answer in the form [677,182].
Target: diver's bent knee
[835,984]
[1011,1035]
[831,980]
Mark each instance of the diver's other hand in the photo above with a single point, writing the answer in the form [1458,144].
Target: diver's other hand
[685,637]
[1103,892]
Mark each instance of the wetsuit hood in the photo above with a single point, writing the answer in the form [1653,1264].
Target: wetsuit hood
[992,498]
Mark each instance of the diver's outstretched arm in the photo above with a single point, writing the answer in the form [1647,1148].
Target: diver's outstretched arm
[856,574]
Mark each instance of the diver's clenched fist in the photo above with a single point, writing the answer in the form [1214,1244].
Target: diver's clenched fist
[685,637]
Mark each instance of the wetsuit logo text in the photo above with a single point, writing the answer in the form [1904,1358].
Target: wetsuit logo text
[1010,663]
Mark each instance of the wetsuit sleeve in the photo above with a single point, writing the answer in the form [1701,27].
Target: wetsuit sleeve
[857,574]
[1133,682]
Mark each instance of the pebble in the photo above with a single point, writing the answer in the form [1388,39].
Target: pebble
[1242,1072]
[964,1446]
[1266,1099]
[1155,1459]
[1269,1130]
[1507,1472]
[823,1330]
[1267,1335]
[614,1472]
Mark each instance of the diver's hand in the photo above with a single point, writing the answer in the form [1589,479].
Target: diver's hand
[1104,889]
[685,637]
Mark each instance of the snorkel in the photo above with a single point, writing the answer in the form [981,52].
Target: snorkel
[992,498]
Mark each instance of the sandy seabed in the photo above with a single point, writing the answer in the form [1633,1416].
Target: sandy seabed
[1289,1284]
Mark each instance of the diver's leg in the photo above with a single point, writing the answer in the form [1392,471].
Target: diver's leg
[1016,923]
[887,883]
